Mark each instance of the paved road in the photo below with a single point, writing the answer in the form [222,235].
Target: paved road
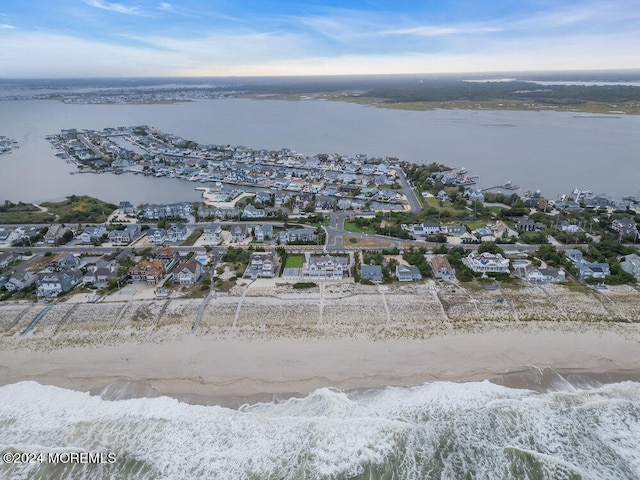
[414,203]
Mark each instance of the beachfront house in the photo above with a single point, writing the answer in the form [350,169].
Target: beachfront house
[326,267]
[408,273]
[188,272]
[156,235]
[631,264]
[534,274]
[150,272]
[52,284]
[372,273]
[261,264]
[486,263]
[442,268]
[593,270]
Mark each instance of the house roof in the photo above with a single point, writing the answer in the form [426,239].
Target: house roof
[440,262]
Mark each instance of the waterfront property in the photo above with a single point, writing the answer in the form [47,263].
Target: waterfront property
[442,268]
[261,264]
[325,267]
[150,272]
[52,284]
[486,263]
[372,273]
[408,273]
[188,272]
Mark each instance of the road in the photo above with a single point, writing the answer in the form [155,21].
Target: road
[414,203]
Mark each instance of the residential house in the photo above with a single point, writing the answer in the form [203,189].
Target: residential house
[52,284]
[454,230]
[252,212]
[261,264]
[156,212]
[64,262]
[526,224]
[213,234]
[126,207]
[92,234]
[263,232]
[9,235]
[7,258]
[442,268]
[19,280]
[625,226]
[305,234]
[534,274]
[568,227]
[428,228]
[631,264]
[239,232]
[178,232]
[126,235]
[168,255]
[104,271]
[150,272]
[326,267]
[188,272]
[593,270]
[157,235]
[486,262]
[574,255]
[408,273]
[55,233]
[372,273]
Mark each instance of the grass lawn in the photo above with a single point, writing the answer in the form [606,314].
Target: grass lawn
[195,235]
[363,243]
[294,261]
[352,227]
[474,225]
[496,209]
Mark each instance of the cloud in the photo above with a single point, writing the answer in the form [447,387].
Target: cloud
[114,7]
[6,26]
[167,7]
[439,31]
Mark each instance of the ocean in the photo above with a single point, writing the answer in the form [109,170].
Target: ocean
[437,430]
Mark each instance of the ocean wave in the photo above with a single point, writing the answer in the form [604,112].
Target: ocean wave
[436,430]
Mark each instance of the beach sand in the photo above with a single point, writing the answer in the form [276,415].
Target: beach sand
[279,341]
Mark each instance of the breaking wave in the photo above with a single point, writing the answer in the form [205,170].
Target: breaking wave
[436,430]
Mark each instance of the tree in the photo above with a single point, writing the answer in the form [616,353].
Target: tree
[490,247]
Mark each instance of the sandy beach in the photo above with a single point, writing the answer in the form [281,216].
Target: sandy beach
[272,339]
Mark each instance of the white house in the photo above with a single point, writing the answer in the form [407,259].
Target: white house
[188,272]
[486,262]
[213,234]
[92,234]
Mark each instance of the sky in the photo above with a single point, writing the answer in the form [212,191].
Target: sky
[137,38]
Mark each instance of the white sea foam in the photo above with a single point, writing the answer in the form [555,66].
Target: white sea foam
[440,429]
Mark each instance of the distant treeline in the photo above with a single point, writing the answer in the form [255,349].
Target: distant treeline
[416,89]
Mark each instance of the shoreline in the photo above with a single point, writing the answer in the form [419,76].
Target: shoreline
[271,339]
[232,371]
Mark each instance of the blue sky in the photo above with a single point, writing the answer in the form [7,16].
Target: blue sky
[96,38]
